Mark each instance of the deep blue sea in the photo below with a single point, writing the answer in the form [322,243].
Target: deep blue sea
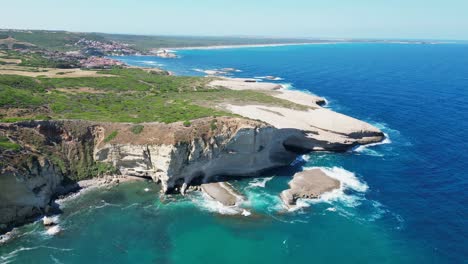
[404,201]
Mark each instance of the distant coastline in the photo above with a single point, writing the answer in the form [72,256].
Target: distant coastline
[249,46]
[328,42]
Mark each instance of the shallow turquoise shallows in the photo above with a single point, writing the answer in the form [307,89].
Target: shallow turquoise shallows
[404,201]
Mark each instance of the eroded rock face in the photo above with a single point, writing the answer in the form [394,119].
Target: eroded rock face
[308,184]
[56,154]
[246,152]
[25,192]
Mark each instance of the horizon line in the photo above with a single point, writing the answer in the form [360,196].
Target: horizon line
[235,35]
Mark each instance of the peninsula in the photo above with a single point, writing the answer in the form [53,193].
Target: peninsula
[62,122]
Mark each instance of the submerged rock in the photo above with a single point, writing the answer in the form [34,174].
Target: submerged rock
[308,184]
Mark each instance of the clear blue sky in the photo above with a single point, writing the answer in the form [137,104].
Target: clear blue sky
[430,19]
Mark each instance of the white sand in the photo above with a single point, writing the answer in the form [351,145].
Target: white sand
[245,84]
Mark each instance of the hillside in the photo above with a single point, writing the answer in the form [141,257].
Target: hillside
[66,41]
[117,95]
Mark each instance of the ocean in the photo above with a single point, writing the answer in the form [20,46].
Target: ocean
[404,200]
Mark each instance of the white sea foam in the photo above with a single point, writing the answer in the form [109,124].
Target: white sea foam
[246,213]
[52,231]
[378,211]
[260,200]
[51,220]
[55,260]
[8,258]
[348,181]
[207,203]
[365,149]
[286,86]
[104,204]
[130,206]
[259,182]
[269,78]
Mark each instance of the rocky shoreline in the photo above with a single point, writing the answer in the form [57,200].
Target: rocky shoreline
[56,154]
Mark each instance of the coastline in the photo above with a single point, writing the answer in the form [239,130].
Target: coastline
[251,46]
[325,42]
[87,185]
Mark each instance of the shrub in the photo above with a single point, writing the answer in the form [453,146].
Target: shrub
[111,136]
[213,125]
[187,123]
[101,168]
[6,144]
[137,129]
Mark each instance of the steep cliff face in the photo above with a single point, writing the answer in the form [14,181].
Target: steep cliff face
[245,152]
[51,156]
[54,155]
[26,191]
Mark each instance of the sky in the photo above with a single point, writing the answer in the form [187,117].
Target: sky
[407,19]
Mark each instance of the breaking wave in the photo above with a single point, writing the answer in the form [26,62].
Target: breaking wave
[259,182]
[207,203]
[10,257]
[269,78]
[348,183]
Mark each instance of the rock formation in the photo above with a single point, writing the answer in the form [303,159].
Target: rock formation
[54,155]
[222,192]
[308,184]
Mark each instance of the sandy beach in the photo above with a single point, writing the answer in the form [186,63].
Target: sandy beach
[251,46]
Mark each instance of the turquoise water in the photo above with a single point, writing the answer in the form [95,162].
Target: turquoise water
[402,202]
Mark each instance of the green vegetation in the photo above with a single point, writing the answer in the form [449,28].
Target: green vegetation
[132,95]
[53,40]
[111,136]
[6,144]
[137,129]
[101,168]
[187,123]
[63,40]
[213,125]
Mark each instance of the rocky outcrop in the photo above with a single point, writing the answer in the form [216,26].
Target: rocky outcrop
[26,191]
[54,155]
[308,184]
[237,148]
[222,192]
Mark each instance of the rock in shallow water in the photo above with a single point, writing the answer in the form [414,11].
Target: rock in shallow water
[221,192]
[308,184]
